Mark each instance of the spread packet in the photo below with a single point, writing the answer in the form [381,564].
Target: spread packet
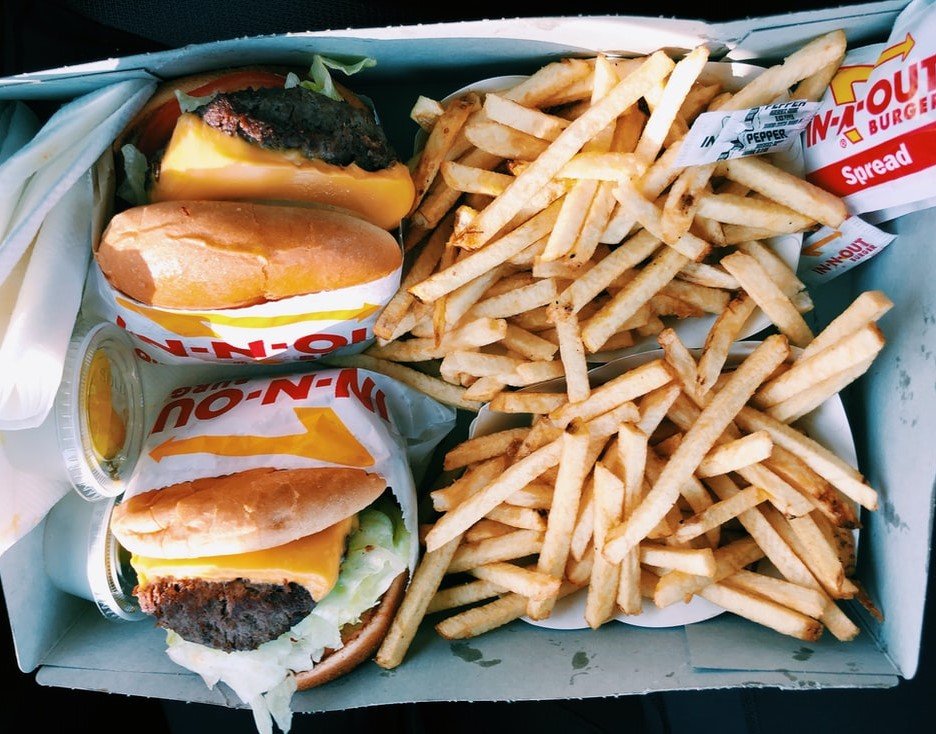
[873,140]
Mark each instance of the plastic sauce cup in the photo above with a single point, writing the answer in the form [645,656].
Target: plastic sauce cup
[83,558]
[92,436]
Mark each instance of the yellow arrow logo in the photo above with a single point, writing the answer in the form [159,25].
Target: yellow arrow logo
[325,438]
[843,84]
[815,249]
[200,323]
[898,49]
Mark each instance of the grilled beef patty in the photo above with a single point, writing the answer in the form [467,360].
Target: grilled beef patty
[300,119]
[226,615]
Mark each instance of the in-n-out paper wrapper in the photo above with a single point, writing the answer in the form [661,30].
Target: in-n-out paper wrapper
[340,417]
[873,141]
[292,329]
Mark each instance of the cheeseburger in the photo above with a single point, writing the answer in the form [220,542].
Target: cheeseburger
[266,571]
[246,135]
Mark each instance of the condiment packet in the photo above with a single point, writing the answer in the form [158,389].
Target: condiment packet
[717,136]
[873,140]
[828,252]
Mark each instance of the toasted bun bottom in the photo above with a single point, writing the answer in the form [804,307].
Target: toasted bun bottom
[362,645]
[238,513]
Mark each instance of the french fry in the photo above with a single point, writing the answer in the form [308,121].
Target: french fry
[528,344]
[523,581]
[479,364]
[776,268]
[584,529]
[484,447]
[766,294]
[786,189]
[654,407]
[737,454]
[536,495]
[804,402]
[517,301]
[708,275]
[518,517]
[632,384]
[668,107]
[478,620]
[650,216]
[698,441]
[441,198]
[471,180]
[482,502]
[463,595]
[603,585]
[471,481]
[530,373]
[528,402]
[611,317]
[607,424]
[783,557]
[676,586]
[425,112]
[504,142]
[508,547]
[718,514]
[419,594]
[682,203]
[573,468]
[440,140]
[484,389]
[865,309]
[601,166]
[435,388]
[571,350]
[632,454]
[526,120]
[720,338]
[799,598]
[856,348]
[765,612]
[732,209]
[630,253]
[681,362]
[390,318]
[822,494]
[698,562]
[477,333]
[818,458]
[560,151]
[484,529]
[709,300]
[482,261]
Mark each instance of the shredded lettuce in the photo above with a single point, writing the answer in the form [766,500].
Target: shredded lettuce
[133,187]
[188,103]
[264,678]
[321,80]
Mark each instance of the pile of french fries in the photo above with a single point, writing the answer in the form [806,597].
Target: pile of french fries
[553,223]
[673,479]
[557,209]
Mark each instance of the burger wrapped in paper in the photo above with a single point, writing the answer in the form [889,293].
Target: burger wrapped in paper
[271,524]
[228,282]
[260,226]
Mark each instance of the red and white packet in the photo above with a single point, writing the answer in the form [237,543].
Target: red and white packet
[873,140]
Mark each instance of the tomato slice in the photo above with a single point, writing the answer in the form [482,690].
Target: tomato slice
[157,128]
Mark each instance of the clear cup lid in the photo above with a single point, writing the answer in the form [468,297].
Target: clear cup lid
[111,578]
[99,412]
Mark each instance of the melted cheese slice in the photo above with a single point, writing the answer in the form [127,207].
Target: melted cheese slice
[204,163]
[312,561]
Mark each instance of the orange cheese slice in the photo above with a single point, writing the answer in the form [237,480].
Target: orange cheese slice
[204,163]
[312,561]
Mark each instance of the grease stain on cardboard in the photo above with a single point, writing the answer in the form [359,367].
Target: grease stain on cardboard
[891,517]
[803,654]
[472,655]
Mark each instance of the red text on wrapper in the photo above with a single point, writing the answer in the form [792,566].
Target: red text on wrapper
[309,346]
[207,402]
